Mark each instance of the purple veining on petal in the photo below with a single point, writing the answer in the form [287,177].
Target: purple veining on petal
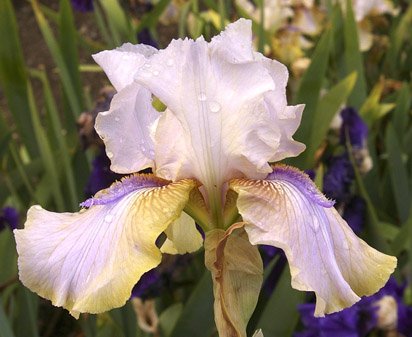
[121,188]
[302,182]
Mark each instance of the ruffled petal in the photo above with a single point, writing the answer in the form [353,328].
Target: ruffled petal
[121,64]
[325,256]
[215,99]
[89,261]
[182,236]
[126,130]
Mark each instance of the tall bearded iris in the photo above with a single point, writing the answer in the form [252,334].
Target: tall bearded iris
[226,119]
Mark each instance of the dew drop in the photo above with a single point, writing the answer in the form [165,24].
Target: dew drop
[147,65]
[201,97]
[152,153]
[143,148]
[156,72]
[108,218]
[117,119]
[121,140]
[109,154]
[214,106]
[169,62]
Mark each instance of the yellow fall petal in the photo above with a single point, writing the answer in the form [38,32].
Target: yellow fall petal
[324,254]
[89,261]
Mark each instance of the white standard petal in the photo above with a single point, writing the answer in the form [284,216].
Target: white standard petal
[121,64]
[126,129]
[215,99]
[324,254]
[89,261]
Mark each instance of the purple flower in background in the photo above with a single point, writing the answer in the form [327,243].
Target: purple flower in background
[101,175]
[83,5]
[383,311]
[149,285]
[9,217]
[338,179]
[354,127]
[354,213]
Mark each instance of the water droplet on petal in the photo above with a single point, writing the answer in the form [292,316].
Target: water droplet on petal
[121,140]
[143,148]
[169,62]
[151,153]
[109,154]
[147,65]
[117,119]
[202,97]
[156,72]
[214,106]
[108,218]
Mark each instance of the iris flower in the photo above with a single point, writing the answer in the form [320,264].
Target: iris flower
[226,119]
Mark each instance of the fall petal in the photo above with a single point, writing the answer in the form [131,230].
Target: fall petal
[325,256]
[89,261]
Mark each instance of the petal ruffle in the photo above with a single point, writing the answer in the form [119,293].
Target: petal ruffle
[126,130]
[182,236]
[121,64]
[325,256]
[215,99]
[89,261]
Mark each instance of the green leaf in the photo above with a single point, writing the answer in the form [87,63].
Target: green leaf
[49,160]
[310,85]
[125,318]
[119,24]
[8,261]
[398,38]
[5,328]
[13,77]
[68,47]
[28,308]
[353,57]
[150,19]
[401,111]
[398,174]
[197,315]
[280,316]
[372,110]
[64,72]
[59,138]
[169,317]
[326,109]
